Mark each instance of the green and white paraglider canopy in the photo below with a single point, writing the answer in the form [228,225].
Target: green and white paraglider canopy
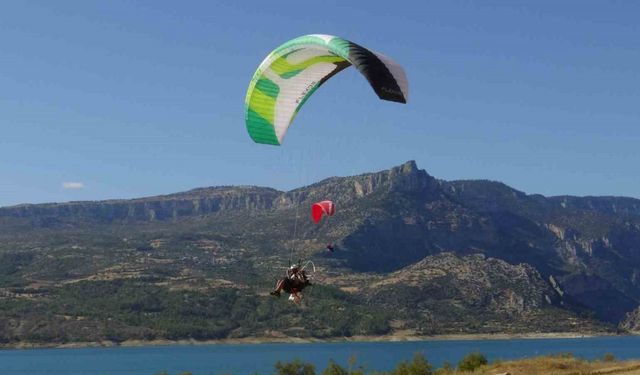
[293,71]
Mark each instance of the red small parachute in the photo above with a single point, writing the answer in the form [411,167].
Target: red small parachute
[322,208]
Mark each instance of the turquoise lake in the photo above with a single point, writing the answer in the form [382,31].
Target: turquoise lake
[260,358]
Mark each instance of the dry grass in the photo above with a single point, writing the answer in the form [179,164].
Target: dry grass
[560,365]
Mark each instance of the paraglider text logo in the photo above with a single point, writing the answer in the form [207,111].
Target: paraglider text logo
[306,91]
[391,91]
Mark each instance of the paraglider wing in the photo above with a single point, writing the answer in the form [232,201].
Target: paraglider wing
[290,74]
[322,208]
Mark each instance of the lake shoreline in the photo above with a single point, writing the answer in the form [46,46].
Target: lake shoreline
[298,340]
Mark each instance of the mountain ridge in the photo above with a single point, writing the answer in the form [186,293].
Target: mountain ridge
[407,168]
[584,251]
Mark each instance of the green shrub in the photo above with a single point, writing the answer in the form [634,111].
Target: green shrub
[446,369]
[472,361]
[418,366]
[335,369]
[295,367]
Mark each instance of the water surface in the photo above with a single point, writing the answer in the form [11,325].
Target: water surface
[260,358]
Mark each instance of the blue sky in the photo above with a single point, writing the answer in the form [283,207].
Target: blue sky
[128,99]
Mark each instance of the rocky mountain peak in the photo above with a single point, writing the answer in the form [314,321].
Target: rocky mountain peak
[408,167]
[406,177]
